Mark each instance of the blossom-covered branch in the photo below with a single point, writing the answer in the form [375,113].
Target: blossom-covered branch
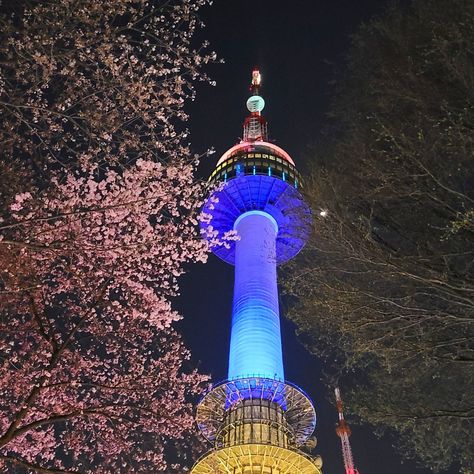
[98,214]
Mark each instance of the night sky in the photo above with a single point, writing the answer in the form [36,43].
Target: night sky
[297,46]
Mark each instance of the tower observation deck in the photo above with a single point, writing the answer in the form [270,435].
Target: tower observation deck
[256,420]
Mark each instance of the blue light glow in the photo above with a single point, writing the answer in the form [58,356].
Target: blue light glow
[255,346]
[269,194]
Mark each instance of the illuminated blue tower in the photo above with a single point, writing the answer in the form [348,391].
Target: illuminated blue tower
[255,420]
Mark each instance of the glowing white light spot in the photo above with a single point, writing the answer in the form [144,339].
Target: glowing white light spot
[323,213]
[256,77]
[255,103]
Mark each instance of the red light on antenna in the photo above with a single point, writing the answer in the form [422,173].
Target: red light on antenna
[256,77]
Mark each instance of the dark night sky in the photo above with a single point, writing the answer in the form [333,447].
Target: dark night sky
[296,45]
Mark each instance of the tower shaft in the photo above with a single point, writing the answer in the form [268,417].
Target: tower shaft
[255,344]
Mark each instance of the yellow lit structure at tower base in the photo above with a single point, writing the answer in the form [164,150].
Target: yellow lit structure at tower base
[257,459]
[256,425]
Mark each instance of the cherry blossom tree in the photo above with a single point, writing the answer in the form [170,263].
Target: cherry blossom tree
[98,210]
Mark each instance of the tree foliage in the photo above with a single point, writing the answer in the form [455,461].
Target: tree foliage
[386,284]
[98,212]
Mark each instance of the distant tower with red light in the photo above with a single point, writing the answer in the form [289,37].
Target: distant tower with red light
[343,431]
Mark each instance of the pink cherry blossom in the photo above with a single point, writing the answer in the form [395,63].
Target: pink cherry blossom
[99,216]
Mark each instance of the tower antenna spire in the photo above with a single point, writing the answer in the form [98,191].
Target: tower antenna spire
[255,126]
[343,431]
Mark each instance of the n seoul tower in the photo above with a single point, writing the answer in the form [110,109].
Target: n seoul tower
[256,420]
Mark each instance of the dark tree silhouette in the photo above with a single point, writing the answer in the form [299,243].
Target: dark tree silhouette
[386,286]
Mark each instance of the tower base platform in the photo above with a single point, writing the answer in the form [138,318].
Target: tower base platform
[257,459]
